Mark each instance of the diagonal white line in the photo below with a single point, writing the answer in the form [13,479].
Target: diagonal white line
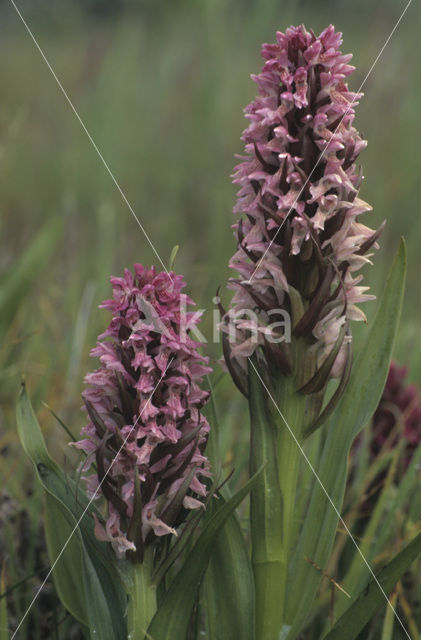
[90,501]
[333,136]
[330,499]
[256,268]
[91,140]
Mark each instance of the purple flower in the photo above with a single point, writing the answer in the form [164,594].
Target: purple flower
[398,415]
[300,243]
[396,419]
[144,403]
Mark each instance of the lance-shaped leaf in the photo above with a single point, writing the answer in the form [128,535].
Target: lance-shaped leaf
[372,597]
[58,527]
[230,587]
[229,584]
[102,618]
[172,618]
[69,513]
[77,580]
[353,412]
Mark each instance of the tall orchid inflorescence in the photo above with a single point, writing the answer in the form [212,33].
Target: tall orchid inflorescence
[300,244]
[146,433]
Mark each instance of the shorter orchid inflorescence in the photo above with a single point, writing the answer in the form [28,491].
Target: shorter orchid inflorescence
[398,415]
[300,242]
[146,433]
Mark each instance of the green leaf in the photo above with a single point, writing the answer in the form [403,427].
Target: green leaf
[407,487]
[103,623]
[109,589]
[51,477]
[371,598]
[353,412]
[76,577]
[58,525]
[30,434]
[229,584]
[172,618]
[67,506]
[358,573]
[389,620]
[372,364]
[173,256]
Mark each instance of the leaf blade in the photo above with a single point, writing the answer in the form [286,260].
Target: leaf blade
[352,414]
[72,508]
[229,586]
[171,620]
[371,597]
[58,526]
[229,583]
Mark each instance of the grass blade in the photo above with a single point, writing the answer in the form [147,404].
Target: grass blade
[371,598]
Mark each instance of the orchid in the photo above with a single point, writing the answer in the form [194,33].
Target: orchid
[144,406]
[142,533]
[300,242]
[398,414]
[300,250]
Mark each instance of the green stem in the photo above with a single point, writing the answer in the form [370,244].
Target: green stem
[268,598]
[272,501]
[289,457]
[292,407]
[265,511]
[142,598]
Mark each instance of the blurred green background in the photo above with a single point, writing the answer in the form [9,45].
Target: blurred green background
[161,86]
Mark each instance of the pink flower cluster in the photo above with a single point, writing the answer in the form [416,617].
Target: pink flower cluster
[398,414]
[298,201]
[144,404]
